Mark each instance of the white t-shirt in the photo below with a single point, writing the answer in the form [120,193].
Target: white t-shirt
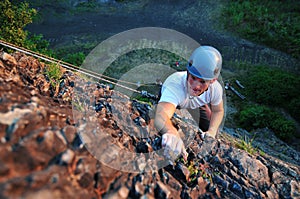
[175,91]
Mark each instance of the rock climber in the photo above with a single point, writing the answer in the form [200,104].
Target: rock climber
[197,90]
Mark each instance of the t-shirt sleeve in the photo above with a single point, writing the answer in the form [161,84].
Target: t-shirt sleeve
[217,94]
[170,95]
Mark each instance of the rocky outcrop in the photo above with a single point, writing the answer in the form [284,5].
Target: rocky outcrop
[45,151]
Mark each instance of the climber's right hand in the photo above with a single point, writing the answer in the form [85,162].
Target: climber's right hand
[173,146]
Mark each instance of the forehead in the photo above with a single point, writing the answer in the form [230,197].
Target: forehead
[196,78]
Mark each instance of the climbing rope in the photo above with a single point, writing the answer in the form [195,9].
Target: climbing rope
[71,67]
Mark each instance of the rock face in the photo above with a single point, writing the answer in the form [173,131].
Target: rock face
[44,152]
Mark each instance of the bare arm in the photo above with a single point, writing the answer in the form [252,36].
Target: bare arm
[163,115]
[217,113]
[170,139]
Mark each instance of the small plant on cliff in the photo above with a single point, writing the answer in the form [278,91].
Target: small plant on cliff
[246,145]
[196,169]
[193,173]
[54,73]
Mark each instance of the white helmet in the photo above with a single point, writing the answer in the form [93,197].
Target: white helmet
[205,63]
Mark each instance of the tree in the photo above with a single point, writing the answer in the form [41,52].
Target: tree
[15,16]
[13,21]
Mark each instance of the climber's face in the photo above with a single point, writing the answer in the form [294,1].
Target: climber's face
[197,86]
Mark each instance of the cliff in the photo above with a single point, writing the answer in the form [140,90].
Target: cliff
[50,149]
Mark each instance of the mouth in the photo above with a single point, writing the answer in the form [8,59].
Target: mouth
[195,92]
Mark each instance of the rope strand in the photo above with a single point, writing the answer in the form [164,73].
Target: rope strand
[70,66]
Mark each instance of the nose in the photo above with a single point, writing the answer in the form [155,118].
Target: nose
[197,84]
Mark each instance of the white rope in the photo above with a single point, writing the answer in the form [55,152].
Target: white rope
[66,65]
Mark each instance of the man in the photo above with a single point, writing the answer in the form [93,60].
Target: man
[194,89]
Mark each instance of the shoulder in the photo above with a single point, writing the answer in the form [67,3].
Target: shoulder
[216,93]
[176,77]
[173,89]
[216,86]
[175,82]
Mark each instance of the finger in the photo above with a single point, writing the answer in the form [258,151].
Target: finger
[170,141]
[164,140]
[179,146]
[182,150]
[184,154]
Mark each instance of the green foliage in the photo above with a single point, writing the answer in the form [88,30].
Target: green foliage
[274,23]
[271,90]
[54,73]
[138,57]
[142,99]
[89,6]
[14,18]
[38,44]
[75,53]
[283,128]
[258,116]
[294,106]
[196,169]
[13,21]
[75,58]
[246,145]
[273,87]
[254,117]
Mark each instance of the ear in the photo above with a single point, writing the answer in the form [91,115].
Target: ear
[216,71]
[213,80]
